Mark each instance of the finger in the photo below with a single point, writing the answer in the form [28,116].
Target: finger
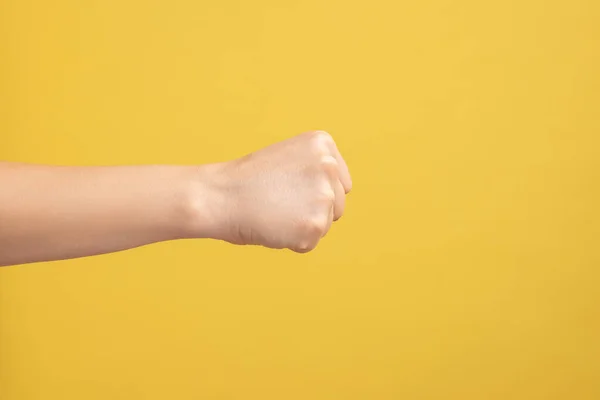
[315,228]
[344,173]
[340,200]
[329,221]
[345,178]
[331,167]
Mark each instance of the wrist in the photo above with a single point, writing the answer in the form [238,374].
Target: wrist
[205,202]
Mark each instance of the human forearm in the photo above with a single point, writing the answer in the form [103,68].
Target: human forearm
[57,212]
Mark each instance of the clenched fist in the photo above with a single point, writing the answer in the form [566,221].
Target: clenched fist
[284,196]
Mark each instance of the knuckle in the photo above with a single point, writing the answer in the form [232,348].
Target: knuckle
[329,161]
[327,196]
[301,251]
[306,245]
[313,227]
[317,226]
[325,136]
[319,147]
[318,133]
[320,141]
[326,139]
[329,164]
[303,247]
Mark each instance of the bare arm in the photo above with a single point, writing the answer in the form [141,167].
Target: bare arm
[54,212]
[285,195]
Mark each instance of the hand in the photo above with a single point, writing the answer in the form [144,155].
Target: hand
[283,196]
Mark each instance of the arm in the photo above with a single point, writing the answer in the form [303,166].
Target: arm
[285,195]
[51,212]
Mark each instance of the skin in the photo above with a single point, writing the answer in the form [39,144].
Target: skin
[283,196]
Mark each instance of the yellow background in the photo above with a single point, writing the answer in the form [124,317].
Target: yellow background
[467,266]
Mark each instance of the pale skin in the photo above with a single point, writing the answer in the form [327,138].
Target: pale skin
[283,196]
